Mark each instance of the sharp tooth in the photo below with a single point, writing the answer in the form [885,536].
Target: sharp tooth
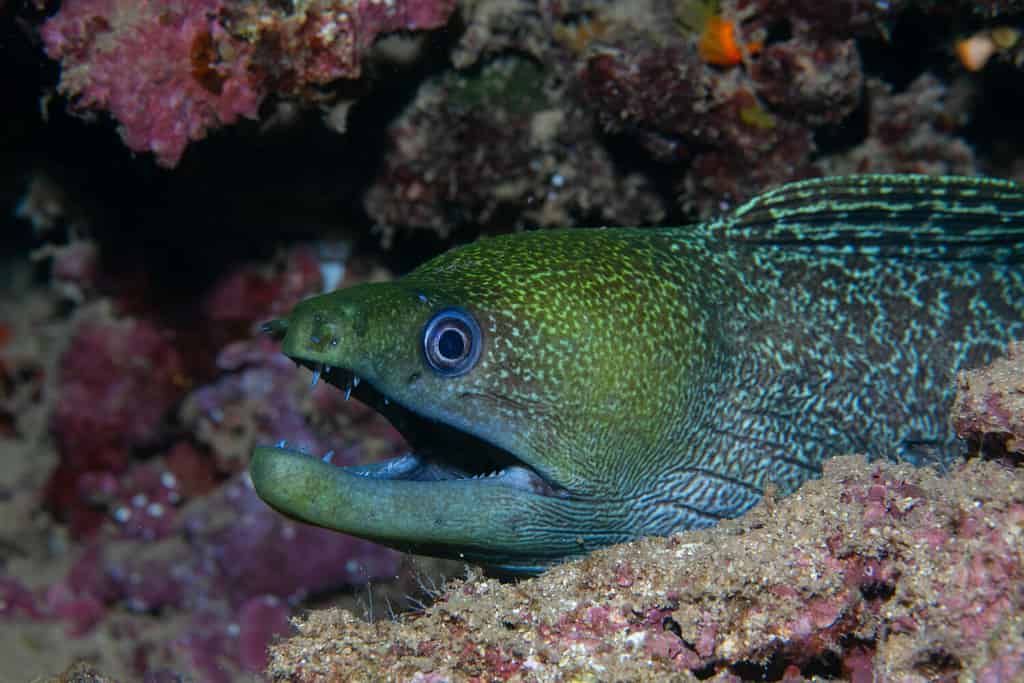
[327,456]
[327,369]
[282,443]
[355,380]
[348,391]
[316,374]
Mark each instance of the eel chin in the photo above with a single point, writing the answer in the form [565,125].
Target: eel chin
[453,495]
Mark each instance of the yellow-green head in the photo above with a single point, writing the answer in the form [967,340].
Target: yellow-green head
[521,371]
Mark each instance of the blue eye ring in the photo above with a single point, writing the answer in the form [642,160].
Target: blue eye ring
[452,342]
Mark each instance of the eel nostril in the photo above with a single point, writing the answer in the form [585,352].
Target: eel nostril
[275,328]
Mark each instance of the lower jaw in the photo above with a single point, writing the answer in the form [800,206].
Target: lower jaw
[475,519]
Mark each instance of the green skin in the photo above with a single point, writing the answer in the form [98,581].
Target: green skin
[654,380]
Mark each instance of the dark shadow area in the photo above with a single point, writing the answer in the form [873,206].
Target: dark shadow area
[237,195]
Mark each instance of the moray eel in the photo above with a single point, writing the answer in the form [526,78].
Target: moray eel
[568,389]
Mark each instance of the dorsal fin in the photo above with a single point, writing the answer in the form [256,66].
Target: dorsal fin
[905,216]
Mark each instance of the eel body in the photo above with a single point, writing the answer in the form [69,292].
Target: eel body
[564,390]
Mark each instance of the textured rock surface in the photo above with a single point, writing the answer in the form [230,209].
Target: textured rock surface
[171,71]
[989,408]
[874,570]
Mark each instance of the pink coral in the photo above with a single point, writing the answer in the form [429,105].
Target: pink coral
[168,71]
[253,293]
[119,379]
[232,567]
[261,619]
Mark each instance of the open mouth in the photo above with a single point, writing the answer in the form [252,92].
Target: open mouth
[456,493]
[439,452]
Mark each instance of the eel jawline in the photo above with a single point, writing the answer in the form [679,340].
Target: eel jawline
[471,519]
[462,498]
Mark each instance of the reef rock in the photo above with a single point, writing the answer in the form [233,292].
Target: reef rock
[989,407]
[876,570]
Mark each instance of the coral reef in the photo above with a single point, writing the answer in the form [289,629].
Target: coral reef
[122,377]
[157,67]
[80,673]
[724,97]
[874,571]
[129,403]
[148,473]
[315,42]
[989,408]
[502,147]
[721,130]
[169,72]
[119,378]
[908,132]
[227,566]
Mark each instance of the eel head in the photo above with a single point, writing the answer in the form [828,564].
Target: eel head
[512,408]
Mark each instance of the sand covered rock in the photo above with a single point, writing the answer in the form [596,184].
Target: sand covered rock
[874,570]
[989,408]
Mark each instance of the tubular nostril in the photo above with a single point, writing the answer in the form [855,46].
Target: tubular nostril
[275,328]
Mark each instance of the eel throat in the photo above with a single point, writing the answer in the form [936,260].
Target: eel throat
[568,389]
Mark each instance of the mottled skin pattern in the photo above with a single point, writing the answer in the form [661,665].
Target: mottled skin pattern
[660,379]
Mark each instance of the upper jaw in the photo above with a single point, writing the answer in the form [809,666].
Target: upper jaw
[346,380]
[416,467]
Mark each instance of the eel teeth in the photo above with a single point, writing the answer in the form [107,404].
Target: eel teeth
[328,456]
[355,381]
[316,374]
[282,443]
[348,390]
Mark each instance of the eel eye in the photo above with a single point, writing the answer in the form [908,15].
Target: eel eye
[451,342]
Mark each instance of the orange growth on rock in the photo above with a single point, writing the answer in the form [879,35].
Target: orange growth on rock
[718,44]
[203,55]
[577,36]
[974,52]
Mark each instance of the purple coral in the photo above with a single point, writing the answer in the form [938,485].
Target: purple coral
[229,565]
